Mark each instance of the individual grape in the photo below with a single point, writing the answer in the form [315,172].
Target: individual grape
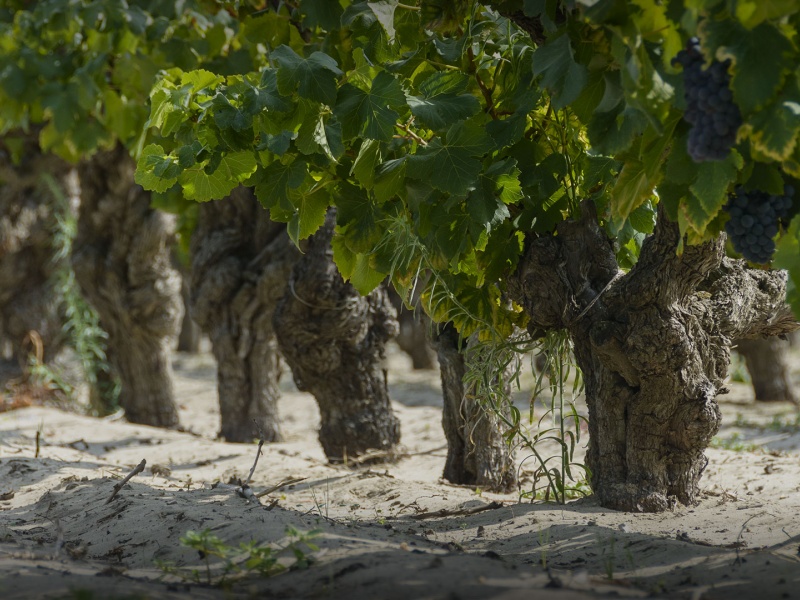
[710,109]
[754,217]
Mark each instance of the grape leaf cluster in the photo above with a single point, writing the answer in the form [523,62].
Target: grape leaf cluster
[754,217]
[710,109]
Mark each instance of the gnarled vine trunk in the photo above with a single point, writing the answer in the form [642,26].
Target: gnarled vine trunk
[30,304]
[241,262]
[768,368]
[413,334]
[190,333]
[121,258]
[476,450]
[334,340]
[653,345]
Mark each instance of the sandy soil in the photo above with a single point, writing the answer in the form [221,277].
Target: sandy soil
[59,538]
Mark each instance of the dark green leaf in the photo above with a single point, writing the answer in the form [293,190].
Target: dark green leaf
[755,81]
[613,132]
[314,77]
[367,162]
[326,14]
[555,62]
[271,97]
[443,101]
[452,167]
[370,114]
[389,179]
[277,180]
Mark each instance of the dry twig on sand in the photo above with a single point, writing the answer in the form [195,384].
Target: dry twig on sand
[453,513]
[244,490]
[118,486]
[258,453]
[280,485]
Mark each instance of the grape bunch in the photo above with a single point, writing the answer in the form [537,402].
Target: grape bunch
[710,108]
[754,221]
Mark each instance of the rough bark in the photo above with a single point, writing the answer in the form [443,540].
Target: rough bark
[413,335]
[121,258]
[334,339]
[190,332]
[653,345]
[241,261]
[476,450]
[29,301]
[769,369]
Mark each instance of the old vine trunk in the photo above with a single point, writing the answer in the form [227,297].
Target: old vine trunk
[653,345]
[334,341]
[241,261]
[190,333]
[476,450]
[30,305]
[769,369]
[121,258]
[413,334]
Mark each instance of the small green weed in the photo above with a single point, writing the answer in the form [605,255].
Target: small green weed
[544,542]
[81,328]
[788,422]
[735,442]
[224,564]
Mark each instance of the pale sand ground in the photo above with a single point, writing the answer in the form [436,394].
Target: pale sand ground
[58,538]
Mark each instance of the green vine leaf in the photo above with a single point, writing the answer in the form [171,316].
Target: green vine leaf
[156,170]
[710,189]
[755,81]
[565,78]
[453,166]
[372,114]
[355,267]
[233,169]
[277,180]
[313,77]
[443,101]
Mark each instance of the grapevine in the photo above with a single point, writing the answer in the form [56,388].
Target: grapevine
[710,109]
[754,221]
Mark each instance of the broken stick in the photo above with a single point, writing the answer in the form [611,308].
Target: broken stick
[118,486]
[258,453]
[458,512]
[244,490]
[280,485]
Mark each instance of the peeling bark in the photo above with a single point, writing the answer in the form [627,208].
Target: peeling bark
[653,345]
[121,258]
[476,450]
[241,261]
[333,339]
[769,369]
[30,306]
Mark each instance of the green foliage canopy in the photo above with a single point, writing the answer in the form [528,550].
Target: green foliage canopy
[443,132]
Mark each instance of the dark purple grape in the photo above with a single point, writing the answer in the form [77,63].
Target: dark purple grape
[710,109]
[754,217]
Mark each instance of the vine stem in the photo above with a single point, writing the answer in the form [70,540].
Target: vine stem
[406,127]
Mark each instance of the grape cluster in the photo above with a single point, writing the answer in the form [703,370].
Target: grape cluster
[754,221]
[710,108]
